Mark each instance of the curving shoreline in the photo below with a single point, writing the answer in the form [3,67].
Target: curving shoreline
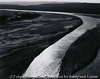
[51,49]
[18,59]
[76,33]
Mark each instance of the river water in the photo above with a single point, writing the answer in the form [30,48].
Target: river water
[49,61]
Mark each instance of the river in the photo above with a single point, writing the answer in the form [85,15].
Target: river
[49,61]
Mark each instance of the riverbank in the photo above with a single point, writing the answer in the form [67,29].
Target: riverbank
[22,41]
[83,52]
[93,67]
